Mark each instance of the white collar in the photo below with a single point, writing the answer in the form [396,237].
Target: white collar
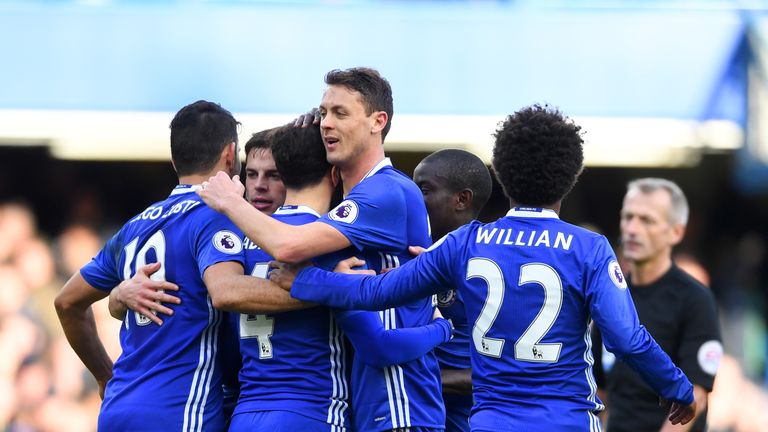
[184,188]
[298,209]
[383,163]
[533,212]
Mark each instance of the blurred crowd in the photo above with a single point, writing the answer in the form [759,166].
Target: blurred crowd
[45,387]
[43,384]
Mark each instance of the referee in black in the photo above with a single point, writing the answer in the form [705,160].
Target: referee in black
[677,310]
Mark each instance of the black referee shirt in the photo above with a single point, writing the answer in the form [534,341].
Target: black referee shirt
[681,316]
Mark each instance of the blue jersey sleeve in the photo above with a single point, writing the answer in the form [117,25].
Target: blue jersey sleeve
[427,274]
[370,218]
[102,271]
[378,347]
[614,314]
[217,240]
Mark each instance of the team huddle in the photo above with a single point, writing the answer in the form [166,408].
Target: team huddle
[349,297]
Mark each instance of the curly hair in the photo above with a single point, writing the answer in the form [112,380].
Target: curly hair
[537,156]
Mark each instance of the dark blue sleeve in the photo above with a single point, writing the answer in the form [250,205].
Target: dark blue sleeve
[614,314]
[427,274]
[378,347]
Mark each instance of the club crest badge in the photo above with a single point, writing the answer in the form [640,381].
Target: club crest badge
[614,271]
[344,212]
[227,242]
[446,298]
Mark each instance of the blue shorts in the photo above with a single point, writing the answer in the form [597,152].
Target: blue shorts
[278,421]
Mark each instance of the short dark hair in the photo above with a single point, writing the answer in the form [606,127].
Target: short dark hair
[260,140]
[199,133]
[463,170]
[299,155]
[374,89]
[538,155]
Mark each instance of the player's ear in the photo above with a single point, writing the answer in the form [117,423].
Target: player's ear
[462,200]
[678,231]
[229,154]
[380,119]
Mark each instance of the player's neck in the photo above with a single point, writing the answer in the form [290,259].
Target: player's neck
[353,172]
[315,197]
[195,179]
[648,272]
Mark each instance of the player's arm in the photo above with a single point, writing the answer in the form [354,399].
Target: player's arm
[378,347]
[457,381]
[427,274]
[231,290]
[73,306]
[286,243]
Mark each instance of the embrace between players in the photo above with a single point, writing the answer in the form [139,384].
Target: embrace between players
[520,292]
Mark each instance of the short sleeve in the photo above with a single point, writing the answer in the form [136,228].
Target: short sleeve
[216,240]
[102,271]
[700,348]
[373,216]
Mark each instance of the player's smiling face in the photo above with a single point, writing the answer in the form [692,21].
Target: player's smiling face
[647,234]
[345,125]
[264,188]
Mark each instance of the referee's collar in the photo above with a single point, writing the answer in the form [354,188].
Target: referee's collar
[533,212]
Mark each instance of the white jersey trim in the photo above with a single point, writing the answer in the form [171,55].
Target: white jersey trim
[299,209]
[201,380]
[182,189]
[541,213]
[399,404]
[383,163]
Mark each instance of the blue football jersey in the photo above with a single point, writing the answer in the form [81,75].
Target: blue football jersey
[381,216]
[168,377]
[530,284]
[293,361]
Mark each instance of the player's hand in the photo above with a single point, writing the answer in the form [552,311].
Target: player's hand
[436,314]
[220,190]
[310,118]
[283,274]
[679,413]
[146,296]
[347,266]
[416,250]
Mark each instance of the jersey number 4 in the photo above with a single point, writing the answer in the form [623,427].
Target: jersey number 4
[527,347]
[258,326]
